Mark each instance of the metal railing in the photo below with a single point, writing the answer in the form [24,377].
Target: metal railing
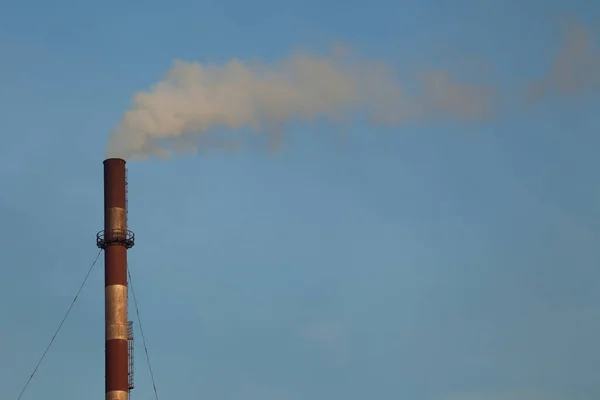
[115,236]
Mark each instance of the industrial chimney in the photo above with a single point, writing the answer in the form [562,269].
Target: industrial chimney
[116,239]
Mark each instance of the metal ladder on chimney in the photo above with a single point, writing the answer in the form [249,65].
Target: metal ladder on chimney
[130,355]
[130,346]
[126,196]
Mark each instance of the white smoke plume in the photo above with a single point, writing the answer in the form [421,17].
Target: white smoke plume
[575,69]
[194,98]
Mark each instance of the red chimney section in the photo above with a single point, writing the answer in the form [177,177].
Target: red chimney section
[116,240]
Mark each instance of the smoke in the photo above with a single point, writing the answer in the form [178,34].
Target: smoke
[575,69]
[180,111]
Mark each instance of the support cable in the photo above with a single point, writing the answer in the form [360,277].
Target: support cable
[60,326]
[137,311]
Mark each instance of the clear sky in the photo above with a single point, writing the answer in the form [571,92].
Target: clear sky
[444,262]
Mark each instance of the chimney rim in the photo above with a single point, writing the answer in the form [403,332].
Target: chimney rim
[114,159]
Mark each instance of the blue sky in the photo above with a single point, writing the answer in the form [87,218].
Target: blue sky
[436,263]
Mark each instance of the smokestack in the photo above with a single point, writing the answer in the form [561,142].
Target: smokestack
[116,239]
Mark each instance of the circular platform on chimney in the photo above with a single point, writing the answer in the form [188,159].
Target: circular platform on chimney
[122,237]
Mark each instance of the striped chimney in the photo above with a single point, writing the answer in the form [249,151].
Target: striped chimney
[115,240]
